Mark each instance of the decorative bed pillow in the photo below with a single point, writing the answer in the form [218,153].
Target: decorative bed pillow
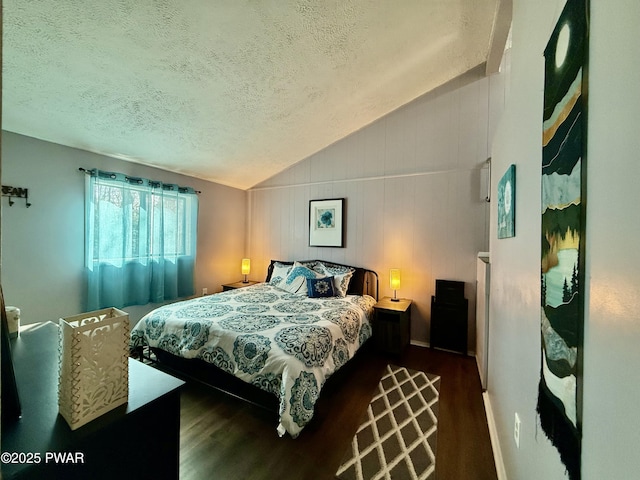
[279,274]
[296,281]
[320,287]
[341,276]
[309,264]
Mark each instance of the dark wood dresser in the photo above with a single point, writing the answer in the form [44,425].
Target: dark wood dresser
[140,439]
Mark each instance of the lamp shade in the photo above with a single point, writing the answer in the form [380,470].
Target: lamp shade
[246,266]
[394,278]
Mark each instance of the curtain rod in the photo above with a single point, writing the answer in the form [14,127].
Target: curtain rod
[88,172]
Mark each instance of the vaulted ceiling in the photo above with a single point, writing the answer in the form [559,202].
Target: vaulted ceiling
[232,91]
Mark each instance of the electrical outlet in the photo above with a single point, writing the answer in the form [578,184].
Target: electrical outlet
[204,291]
[516,430]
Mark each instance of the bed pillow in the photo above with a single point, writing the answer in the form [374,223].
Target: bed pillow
[296,281]
[309,264]
[341,276]
[279,274]
[320,287]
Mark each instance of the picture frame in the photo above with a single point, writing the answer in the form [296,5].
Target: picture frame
[507,204]
[326,223]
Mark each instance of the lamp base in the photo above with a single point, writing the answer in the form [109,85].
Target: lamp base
[395,299]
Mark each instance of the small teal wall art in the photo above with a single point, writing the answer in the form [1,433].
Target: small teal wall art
[507,204]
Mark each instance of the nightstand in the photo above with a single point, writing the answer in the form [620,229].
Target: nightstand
[392,324]
[240,284]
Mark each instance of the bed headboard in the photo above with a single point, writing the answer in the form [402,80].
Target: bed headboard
[363,282]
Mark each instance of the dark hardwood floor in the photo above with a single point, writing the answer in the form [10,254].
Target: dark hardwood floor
[225,438]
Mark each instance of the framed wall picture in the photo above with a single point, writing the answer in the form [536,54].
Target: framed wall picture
[326,228]
[507,204]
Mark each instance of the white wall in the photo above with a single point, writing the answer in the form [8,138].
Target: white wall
[413,192]
[43,245]
[612,332]
[612,355]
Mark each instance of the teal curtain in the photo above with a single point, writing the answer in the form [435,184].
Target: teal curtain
[140,240]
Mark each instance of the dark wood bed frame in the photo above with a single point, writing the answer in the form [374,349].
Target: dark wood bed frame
[363,282]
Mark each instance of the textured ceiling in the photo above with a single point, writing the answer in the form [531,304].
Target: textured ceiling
[232,91]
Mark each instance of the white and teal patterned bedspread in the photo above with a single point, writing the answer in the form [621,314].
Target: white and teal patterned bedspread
[284,343]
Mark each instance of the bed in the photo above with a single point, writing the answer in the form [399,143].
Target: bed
[285,336]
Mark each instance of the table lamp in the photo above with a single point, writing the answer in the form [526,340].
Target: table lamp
[394,282]
[246,268]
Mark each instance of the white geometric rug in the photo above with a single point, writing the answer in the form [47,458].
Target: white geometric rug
[397,439]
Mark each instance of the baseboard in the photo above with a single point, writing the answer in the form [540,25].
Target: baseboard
[418,343]
[484,388]
[495,442]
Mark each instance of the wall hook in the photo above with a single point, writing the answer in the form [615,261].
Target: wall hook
[16,192]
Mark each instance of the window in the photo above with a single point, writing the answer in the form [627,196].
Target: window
[140,240]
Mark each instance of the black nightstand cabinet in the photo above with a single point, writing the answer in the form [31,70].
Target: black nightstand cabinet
[449,325]
[392,325]
[232,286]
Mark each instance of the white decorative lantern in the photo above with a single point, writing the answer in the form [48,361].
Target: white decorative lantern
[94,365]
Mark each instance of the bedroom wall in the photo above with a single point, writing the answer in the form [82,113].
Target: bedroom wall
[43,245]
[612,330]
[414,199]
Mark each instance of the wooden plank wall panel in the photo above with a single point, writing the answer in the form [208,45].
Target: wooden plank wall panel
[400,142]
[412,186]
[425,235]
[374,149]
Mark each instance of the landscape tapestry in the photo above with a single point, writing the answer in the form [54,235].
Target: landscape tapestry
[562,251]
